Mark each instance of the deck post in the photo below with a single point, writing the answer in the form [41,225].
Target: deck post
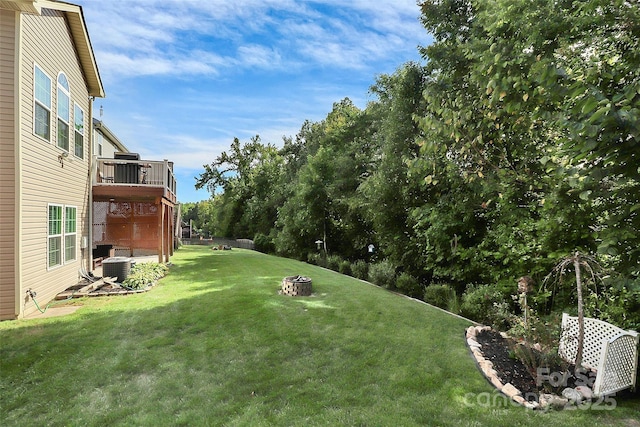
[160,227]
[132,221]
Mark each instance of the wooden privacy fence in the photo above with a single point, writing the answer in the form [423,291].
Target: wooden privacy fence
[610,351]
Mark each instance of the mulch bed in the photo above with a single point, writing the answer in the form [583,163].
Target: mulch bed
[99,288]
[510,369]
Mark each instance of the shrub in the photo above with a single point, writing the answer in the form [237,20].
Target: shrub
[453,306]
[143,274]
[618,306]
[345,267]
[313,258]
[382,274]
[486,304]
[536,342]
[439,295]
[322,260]
[264,243]
[360,269]
[333,262]
[317,258]
[409,285]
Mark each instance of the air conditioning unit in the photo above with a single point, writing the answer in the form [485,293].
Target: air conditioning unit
[118,267]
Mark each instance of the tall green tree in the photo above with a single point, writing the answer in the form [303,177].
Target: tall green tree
[320,200]
[533,100]
[388,192]
[599,64]
[249,175]
[582,88]
[480,150]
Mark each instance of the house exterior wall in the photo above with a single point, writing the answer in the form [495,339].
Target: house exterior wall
[8,167]
[108,147]
[44,179]
[105,143]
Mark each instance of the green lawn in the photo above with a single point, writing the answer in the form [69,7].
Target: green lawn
[215,344]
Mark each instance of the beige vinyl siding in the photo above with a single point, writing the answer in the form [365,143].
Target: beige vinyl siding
[108,148]
[46,41]
[8,169]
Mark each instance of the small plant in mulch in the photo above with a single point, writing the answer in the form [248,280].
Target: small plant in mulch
[144,274]
[533,341]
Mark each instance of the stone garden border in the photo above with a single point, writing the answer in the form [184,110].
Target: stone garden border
[569,399]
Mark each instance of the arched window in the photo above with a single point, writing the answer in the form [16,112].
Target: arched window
[63,112]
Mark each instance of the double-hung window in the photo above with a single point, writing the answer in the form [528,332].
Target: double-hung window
[70,238]
[42,104]
[99,139]
[63,112]
[54,240]
[62,235]
[78,130]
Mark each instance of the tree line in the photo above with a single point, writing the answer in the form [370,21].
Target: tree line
[514,145]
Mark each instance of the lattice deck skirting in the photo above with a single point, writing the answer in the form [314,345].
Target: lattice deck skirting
[611,351]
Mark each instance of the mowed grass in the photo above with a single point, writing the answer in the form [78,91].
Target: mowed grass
[215,344]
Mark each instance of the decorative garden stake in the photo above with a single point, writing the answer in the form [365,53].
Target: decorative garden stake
[525,285]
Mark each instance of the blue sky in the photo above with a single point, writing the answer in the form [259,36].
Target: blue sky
[183,78]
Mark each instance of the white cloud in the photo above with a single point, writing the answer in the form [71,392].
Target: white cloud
[184,77]
[114,65]
[191,158]
[258,56]
[156,37]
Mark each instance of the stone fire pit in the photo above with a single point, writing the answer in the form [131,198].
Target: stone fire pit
[296,286]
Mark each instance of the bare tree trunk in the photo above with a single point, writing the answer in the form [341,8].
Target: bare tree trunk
[576,265]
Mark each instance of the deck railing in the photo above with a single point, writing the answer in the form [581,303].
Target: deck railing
[119,172]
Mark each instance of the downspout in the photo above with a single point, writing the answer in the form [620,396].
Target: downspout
[17,276]
[91,175]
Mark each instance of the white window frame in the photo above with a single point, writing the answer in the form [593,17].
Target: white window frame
[78,133]
[40,103]
[70,234]
[60,234]
[99,141]
[61,93]
[54,235]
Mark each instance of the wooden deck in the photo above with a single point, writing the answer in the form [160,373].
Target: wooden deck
[135,178]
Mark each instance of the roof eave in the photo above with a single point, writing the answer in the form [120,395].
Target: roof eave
[80,35]
[28,6]
[98,124]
